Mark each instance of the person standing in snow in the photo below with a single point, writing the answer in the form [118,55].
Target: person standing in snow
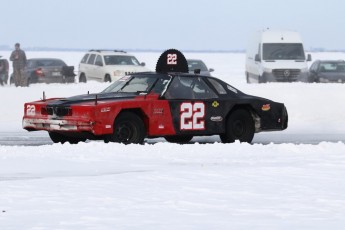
[18,58]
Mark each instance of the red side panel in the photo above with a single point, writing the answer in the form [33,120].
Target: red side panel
[160,120]
[98,119]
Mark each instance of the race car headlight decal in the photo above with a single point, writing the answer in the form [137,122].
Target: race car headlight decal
[106,109]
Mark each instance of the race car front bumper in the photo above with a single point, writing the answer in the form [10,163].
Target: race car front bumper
[32,124]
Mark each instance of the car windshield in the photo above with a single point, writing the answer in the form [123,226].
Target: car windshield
[139,84]
[196,64]
[283,51]
[332,67]
[120,60]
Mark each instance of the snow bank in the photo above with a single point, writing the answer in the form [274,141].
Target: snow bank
[170,186]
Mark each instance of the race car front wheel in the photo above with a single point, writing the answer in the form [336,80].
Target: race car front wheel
[60,138]
[239,126]
[57,137]
[129,128]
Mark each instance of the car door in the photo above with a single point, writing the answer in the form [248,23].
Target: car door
[194,106]
[29,70]
[340,72]
[90,67]
[98,68]
[313,72]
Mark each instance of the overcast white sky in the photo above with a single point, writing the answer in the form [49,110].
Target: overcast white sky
[162,24]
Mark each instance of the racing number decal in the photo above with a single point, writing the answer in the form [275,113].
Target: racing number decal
[172,59]
[30,110]
[186,111]
[192,116]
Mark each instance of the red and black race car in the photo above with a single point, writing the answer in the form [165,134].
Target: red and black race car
[170,103]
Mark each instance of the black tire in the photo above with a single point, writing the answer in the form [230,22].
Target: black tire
[73,140]
[129,128]
[60,138]
[261,79]
[179,139]
[239,126]
[57,137]
[28,81]
[82,78]
[107,78]
[247,77]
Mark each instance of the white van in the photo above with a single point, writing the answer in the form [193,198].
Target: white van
[276,56]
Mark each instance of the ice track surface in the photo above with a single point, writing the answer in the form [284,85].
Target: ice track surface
[285,180]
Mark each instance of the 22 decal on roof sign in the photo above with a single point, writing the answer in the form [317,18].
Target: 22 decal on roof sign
[171,59]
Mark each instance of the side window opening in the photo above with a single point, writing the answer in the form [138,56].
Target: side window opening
[99,61]
[202,90]
[84,58]
[91,59]
[220,89]
[189,88]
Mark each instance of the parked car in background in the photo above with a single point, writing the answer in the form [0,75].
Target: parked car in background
[327,71]
[3,71]
[194,64]
[276,56]
[47,70]
[108,65]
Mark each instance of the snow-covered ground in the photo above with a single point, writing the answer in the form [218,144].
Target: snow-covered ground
[169,186]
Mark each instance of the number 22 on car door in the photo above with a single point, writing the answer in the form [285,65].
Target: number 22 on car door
[192,116]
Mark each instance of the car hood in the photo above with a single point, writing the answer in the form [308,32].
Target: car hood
[87,98]
[284,64]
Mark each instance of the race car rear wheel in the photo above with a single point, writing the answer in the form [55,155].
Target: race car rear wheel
[239,126]
[129,128]
[179,139]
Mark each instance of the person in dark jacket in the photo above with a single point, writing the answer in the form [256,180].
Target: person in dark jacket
[18,58]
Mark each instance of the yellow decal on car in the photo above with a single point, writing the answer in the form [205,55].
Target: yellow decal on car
[215,104]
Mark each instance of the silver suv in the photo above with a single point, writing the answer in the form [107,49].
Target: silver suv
[108,65]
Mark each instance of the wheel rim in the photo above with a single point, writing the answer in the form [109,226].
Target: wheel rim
[238,128]
[125,132]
